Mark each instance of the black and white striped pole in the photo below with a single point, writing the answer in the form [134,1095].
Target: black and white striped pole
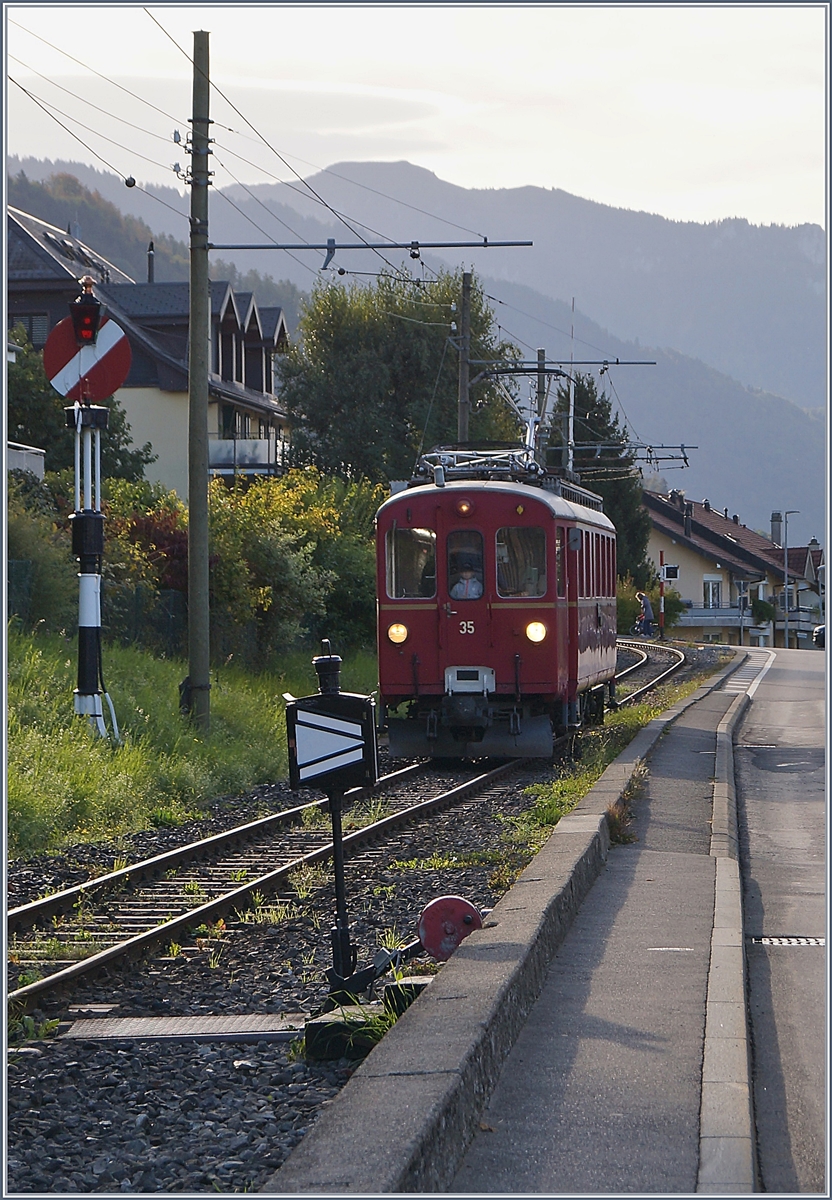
[87,357]
[87,524]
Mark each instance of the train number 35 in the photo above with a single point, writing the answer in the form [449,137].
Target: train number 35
[466,626]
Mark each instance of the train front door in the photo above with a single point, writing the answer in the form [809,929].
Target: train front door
[463,605]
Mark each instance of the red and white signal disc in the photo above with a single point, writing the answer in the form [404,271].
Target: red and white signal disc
[445,922]
[87,373]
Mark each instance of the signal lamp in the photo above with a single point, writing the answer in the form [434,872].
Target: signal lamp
[397,634]
[86,314]
[535,631]
[464,508]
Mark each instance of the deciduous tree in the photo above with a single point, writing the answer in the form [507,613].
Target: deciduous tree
[373,377]
[602,461]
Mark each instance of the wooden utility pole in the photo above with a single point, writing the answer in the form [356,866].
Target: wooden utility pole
[464,355]
[199,669]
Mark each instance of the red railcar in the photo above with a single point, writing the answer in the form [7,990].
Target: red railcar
[496,608]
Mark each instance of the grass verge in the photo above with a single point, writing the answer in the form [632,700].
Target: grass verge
[525,834]
[66,784]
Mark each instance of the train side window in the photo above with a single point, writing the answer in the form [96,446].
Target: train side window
[521,561]
[411,563]
[465,564]
[559,561]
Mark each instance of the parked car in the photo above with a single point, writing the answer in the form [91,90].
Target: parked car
[819,636]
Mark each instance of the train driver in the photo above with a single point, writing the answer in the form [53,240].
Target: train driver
[468,586]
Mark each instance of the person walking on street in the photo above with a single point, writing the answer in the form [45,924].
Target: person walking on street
[646,614]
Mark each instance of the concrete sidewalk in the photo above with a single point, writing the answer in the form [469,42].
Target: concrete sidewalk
[617,1050]
[603,1088]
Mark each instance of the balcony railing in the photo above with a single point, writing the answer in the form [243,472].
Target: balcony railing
[728,617]
[248,455]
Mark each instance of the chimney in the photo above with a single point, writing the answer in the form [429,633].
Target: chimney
[151,254]
[688,519]
[725,514]
[777,528]
[736,519]
[706,504]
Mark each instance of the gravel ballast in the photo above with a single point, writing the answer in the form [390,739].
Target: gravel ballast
[151,1116]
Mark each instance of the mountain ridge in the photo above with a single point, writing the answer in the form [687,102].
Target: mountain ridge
[749,436]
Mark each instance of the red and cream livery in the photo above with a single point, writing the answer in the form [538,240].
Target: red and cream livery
[496,607]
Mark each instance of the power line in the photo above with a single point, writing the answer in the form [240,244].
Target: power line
[540,321]
[106,78]
[277,153]
[44,104]
[228,200]
[83,99]
[292,188]
[94,153]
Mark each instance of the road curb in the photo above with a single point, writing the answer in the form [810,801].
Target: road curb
[407,1115]
[727,1143]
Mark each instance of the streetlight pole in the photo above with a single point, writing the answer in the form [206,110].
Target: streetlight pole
[792,512]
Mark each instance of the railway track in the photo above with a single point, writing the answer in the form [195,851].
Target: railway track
[648,658]
[123,914]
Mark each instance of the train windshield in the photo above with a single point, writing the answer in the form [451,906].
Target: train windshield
[521,561]
[411,563]
[465,573]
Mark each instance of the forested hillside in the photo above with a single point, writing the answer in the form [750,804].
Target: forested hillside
[123,239]
[756,450]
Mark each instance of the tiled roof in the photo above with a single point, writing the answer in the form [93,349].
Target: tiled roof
[222,295]
[270,321]
[51,253]
[149,299]
[715,535]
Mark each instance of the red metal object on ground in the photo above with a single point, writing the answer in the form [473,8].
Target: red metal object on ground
[445,922]
[87,373]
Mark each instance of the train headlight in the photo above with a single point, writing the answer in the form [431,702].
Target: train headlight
[397,633]
[535,631]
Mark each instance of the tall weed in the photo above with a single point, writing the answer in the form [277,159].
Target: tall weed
[66,784]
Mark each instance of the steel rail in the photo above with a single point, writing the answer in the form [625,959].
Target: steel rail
[137,945]
[639,649]
[26,915]
[680,659]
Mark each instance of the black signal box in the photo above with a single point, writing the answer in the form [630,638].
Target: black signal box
[332,742]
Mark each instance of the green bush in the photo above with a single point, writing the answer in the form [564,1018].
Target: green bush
[291,560]
[629,607]
[762,611]
[34,537]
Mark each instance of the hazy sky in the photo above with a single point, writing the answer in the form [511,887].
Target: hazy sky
[692,112]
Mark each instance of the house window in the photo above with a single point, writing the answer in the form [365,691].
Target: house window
[713,593]
[35,324]
[246,425]
[228,429]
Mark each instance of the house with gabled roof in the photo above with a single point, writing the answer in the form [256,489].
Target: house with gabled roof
[248,428]
[722,570]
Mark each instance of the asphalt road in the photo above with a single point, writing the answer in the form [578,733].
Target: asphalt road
[780,772]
